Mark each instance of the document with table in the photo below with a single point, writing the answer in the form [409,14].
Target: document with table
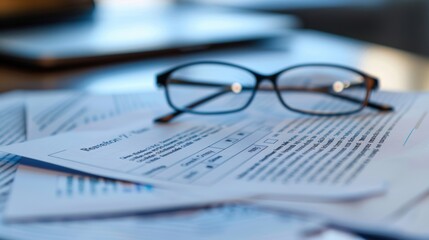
[60,193]
[352,169]
[207,152]
[51,204]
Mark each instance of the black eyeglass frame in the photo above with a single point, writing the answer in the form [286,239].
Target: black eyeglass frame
[371,83]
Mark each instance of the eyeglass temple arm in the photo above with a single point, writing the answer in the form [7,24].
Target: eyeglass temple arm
[320,89]
[378,106]
[203,84]
[167,118]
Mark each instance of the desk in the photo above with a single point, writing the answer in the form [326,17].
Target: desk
[398,70]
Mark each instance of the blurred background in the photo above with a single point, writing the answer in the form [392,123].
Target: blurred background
[81,44]
[402,24]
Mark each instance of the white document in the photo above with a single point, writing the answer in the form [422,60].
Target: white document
[261,156]
[414,219]
[405,166]
[12,130]
[391,214]
[50,113]
[61,195]
[225,222]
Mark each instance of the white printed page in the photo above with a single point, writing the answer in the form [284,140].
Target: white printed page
[46,203]
[228,222]
[398,154]
[58,194]
[115,145]
[257,156]
[407,183]
[51,113]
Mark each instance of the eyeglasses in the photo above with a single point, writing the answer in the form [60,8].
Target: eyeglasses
[212,87]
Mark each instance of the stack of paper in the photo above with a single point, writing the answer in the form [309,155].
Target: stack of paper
[62,193]
[100,155]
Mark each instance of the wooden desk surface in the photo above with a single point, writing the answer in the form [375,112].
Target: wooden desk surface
[397,70]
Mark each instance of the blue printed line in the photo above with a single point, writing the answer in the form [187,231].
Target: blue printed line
[409,135]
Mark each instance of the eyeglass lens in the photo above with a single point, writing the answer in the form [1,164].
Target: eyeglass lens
[216,88]
[322,90]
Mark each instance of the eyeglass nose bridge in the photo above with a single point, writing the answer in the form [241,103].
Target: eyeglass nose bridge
[263,78]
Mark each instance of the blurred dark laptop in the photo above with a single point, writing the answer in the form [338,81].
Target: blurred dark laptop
[118,33]
[288,6]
